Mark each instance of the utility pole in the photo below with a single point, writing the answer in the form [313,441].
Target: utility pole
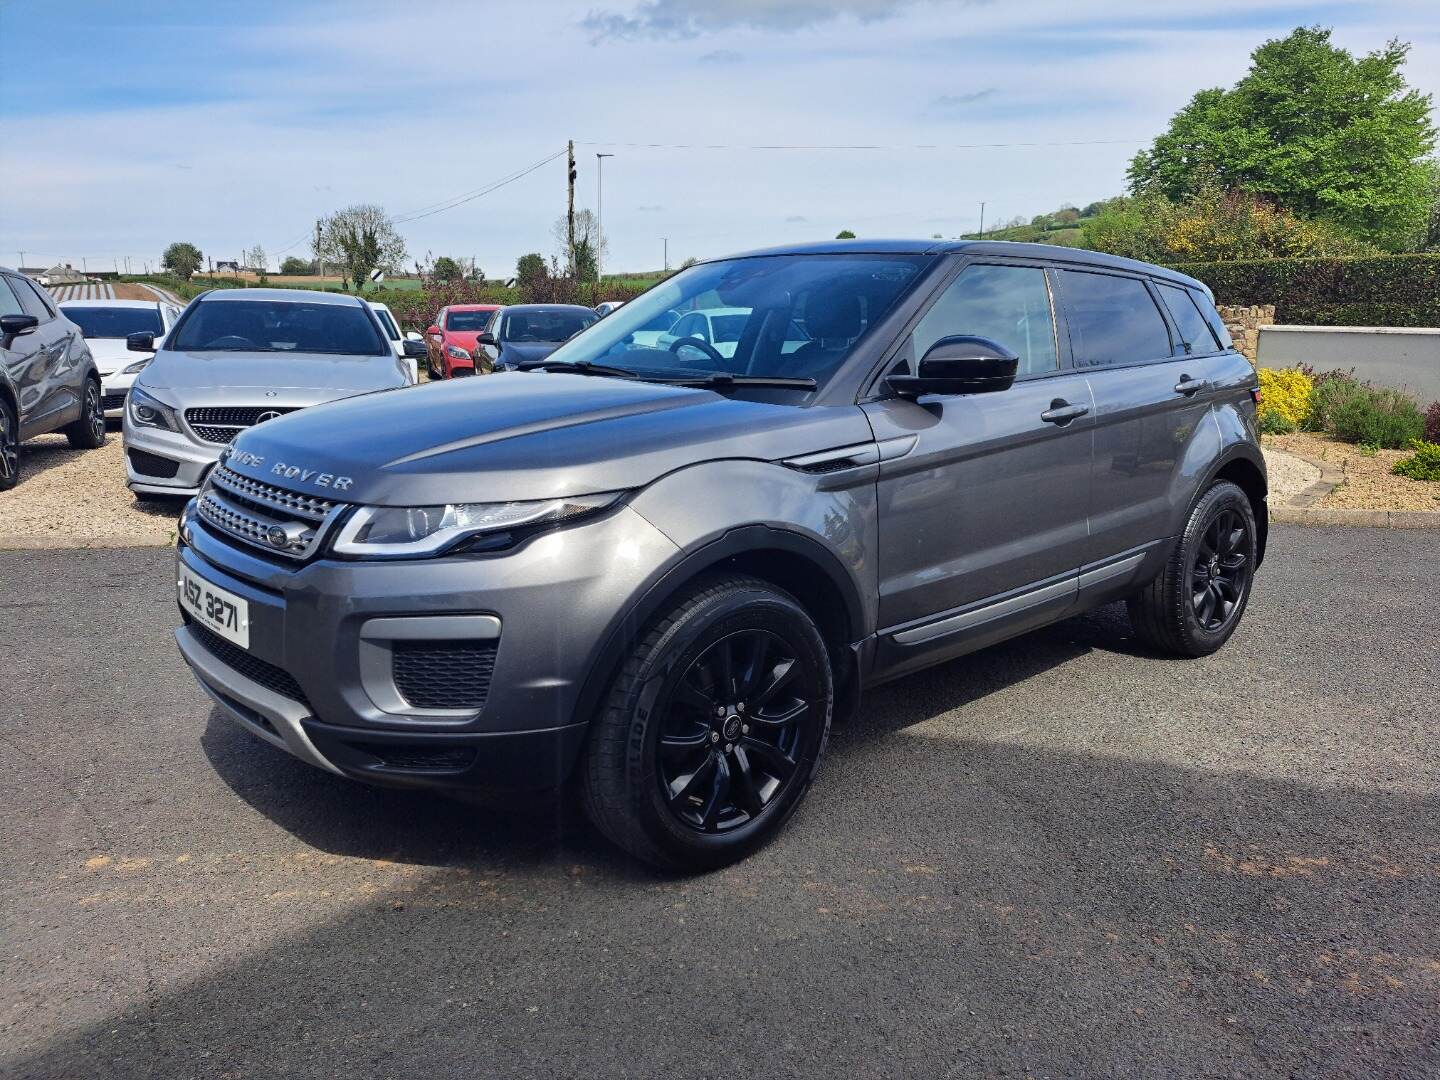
[22,260]
[84,267]
[570,208]
[599,209]
[982,221]
[666,241]
[319,260]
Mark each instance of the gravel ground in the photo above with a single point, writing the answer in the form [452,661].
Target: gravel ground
[1288,475]
[71,497]
[1060,857]
[1369,484]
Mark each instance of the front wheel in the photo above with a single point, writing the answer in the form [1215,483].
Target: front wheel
[1196,602]
[714,728]
[88,432]
[9,447]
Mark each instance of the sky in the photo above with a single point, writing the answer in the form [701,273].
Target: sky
[128,125]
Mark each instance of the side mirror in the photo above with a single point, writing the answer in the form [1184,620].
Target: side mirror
[411,335]
[433,331]
[12,326]
[960,364]
[485,337]
[141,342]
[414,348]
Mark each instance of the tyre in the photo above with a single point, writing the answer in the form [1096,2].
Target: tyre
[9,446]
[1196,602]
[88,432]
[713,729]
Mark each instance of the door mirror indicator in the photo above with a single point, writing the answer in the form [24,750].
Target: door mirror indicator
[141,342]
[960,364]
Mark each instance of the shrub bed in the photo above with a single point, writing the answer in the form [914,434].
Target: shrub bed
[1387,290]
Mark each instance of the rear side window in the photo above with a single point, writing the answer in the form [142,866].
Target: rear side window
[1009,305]
[9,302]
[33,300]
[1195,333]
[1113,320]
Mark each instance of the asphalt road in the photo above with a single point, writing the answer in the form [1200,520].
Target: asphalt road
[1060,857]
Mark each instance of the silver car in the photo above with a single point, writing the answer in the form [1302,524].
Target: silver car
[240,357]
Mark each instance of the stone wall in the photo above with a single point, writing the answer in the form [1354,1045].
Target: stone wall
[1244,324]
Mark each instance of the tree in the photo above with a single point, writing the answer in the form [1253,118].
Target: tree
[182,260]
[530,269]
[845,234]
[360,240]
[293,264]
[1311,128]
[256,259]
[587,232]
[446,269]
[1429,238]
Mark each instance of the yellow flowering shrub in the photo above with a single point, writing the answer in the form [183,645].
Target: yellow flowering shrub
[1285,395]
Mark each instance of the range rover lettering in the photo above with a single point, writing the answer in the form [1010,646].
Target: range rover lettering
[659,571]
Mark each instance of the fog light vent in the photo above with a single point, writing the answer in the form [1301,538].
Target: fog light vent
[443,674]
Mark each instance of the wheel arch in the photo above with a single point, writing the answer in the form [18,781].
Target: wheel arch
[790,561]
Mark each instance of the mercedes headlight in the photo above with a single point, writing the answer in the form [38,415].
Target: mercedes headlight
[146,411]
[137,367]
[457,353]
[427,530]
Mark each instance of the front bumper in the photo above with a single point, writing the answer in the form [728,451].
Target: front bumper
[159,462]
[325,634]
[113,388]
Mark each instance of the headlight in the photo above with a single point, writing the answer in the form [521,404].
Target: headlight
[457,353]
[145,411]
[137,367]
[427,530]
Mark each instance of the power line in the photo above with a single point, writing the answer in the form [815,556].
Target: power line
[866,146]
[450,204]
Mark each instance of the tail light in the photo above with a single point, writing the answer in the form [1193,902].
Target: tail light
[1255,395]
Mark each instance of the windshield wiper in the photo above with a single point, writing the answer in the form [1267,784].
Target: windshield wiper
[579,367]
[724,381]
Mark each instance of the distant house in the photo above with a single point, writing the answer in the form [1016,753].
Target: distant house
[224,267]
[61,275]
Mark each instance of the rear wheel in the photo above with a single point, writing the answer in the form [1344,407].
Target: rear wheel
[88,432]
[9,446]
[1195,604]
[713,730]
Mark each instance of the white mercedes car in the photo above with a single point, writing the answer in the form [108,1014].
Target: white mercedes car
[106,325]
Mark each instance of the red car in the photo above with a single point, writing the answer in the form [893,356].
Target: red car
[451,340]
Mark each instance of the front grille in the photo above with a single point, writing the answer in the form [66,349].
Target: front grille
[112,401]
[420,758]
[443,674]
[162,468]
[277,521]
[273,678]
[221,423]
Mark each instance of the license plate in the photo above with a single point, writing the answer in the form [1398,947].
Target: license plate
[215,608]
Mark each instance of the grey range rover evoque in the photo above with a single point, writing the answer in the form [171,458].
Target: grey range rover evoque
[660,572]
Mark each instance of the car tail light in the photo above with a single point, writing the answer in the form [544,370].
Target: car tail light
[1255,395]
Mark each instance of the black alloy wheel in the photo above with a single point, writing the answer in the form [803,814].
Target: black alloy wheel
[88,432]
[1220,575]
[9,448]
[731,730]
[1195,602]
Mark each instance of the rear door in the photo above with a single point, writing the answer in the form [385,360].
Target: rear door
[1150,396]
[983,498]
[49,387]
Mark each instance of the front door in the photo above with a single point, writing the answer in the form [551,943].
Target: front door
[983,498]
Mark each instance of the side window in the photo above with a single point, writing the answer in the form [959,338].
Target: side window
[1113,320]
[1008,304]
[9,302]
[1195,332]
[33,300]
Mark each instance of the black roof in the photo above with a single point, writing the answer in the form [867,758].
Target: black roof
[1052,252]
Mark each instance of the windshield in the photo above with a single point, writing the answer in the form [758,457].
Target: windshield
[785,316]
[544,324]
[467,322]
[277,326]
[115,322]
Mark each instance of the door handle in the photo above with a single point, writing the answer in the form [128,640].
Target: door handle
[1188,386]
[1061,412]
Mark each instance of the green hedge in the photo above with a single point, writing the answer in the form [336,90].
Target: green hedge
[1386,290]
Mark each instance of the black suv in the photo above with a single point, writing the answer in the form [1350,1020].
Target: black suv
[48,380]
